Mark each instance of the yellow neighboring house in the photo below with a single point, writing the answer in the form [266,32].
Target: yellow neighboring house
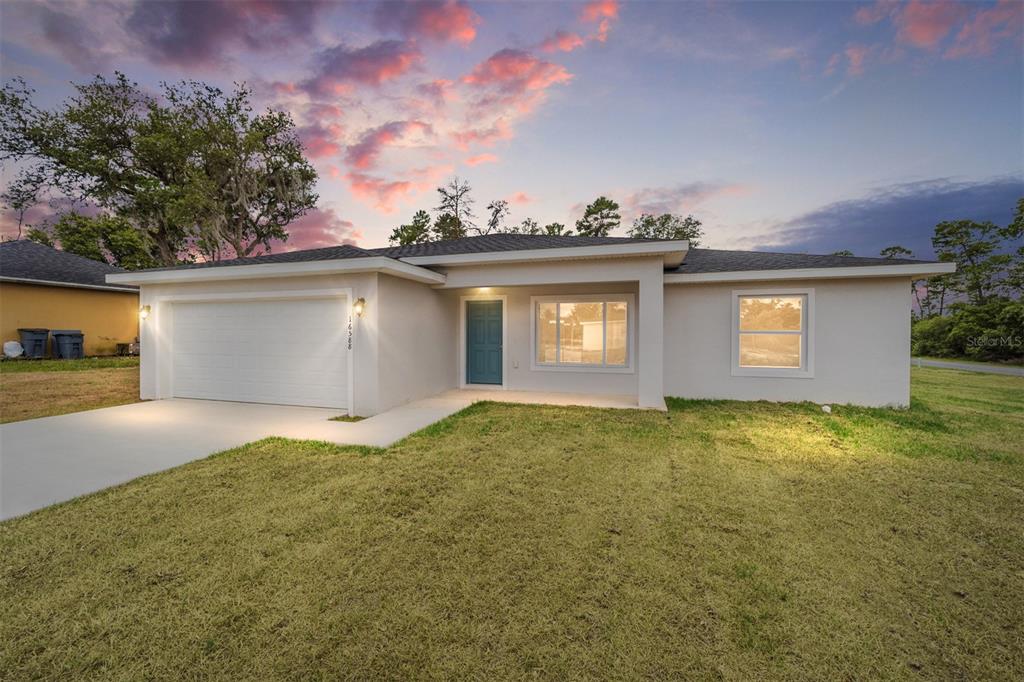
[43,287]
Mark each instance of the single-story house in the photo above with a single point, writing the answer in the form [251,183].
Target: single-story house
[365,330]
[43,287]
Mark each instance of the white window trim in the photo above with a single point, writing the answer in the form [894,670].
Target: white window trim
[806,371]
[628,299]
[463,310]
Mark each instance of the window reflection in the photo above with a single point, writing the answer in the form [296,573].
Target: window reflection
[771,331]
[591,333]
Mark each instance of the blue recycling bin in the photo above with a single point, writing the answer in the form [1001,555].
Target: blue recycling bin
[34,342]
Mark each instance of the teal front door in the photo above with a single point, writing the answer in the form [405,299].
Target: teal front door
[483,342]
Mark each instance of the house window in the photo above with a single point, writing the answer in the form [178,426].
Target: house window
[770,333]
[582,332]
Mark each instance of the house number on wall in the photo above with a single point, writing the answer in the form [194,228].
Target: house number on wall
[350,332]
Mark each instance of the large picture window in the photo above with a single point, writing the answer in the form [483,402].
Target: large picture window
[770,333]
[583,332]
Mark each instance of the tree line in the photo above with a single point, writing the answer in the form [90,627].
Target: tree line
[454,219]
[977,311]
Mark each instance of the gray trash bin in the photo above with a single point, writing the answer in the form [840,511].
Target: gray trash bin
[34,342]
[68,344]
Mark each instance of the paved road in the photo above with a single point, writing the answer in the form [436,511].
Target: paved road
[969,366]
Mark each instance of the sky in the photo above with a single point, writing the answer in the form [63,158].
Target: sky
[796,126]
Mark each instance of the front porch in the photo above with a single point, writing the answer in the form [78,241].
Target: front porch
[572,333]
[476,395]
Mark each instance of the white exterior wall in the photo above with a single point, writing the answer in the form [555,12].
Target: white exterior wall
[408,344]
[642,276]
[519,348]
[156,331]
[861,342]
[418,341]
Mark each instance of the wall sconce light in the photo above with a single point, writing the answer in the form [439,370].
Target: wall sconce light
[359,306]
[144,312]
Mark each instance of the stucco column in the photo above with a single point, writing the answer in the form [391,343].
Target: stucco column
[651,336]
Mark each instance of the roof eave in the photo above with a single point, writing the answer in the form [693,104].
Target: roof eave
[381,264]
[850,272]
[69,285]
[672,252]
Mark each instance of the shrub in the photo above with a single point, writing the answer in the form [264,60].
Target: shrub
[990,331]
[930,336]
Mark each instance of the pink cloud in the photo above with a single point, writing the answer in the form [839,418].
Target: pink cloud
[427,177]
[599,9]
[337,68]
[364,154]
[602,12]
[319,140]
[481,158]
[562,41]
[485,137]
[856,55]
[516,71]
[920,23]
[520,198]
[438,90]
[925,24]
[988,28]
[874,13]
[514,78]
[384,194]
[322,110]
[439,20]
[679,198]
[196,34]
[833,64]
[319,228]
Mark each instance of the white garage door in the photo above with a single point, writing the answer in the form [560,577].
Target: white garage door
[290,352]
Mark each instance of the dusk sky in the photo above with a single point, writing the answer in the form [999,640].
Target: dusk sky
[782,126]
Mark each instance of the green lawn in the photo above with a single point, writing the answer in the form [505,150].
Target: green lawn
[30,389]
[720,540]
[8,366]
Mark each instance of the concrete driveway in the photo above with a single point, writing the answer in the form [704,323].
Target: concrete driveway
[49,460]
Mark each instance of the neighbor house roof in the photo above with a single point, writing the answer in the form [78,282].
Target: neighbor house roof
[26,261]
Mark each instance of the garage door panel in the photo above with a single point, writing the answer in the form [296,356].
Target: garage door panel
[286,352]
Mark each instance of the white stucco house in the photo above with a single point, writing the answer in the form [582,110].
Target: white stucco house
[364,330]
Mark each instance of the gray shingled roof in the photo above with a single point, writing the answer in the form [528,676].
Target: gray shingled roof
[717,260]
[697,260]
[482,244]
[28,260]
[499,242]
[306,256]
